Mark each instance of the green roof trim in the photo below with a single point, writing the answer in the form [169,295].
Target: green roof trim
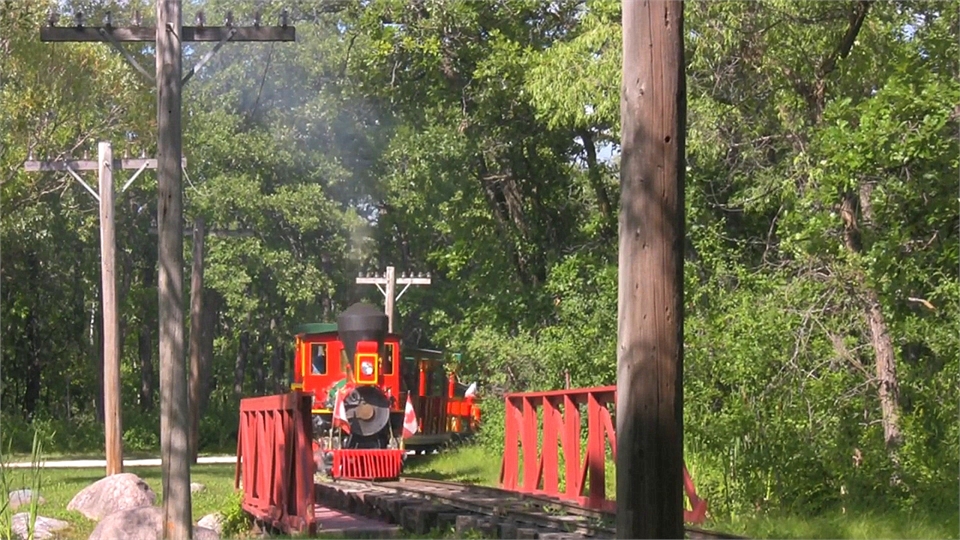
[316,328]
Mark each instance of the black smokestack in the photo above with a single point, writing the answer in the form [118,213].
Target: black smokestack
[361,322]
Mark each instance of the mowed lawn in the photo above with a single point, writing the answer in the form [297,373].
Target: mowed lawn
[58,487]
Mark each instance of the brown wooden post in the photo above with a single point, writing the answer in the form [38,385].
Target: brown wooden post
[111,327]
[196,331]
[109,353]
[390,296]
[168,36]
[174,454]
[650,326]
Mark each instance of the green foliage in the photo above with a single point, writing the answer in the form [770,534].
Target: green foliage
[235,519]
[479,141]
[31,479]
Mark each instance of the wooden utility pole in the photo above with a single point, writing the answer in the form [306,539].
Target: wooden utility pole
[111,327]
[105,165]
[169,36]
[650,326]
[196,329]
[390,281]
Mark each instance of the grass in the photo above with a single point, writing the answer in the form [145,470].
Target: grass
[865,524]
[470,464]
[473,464]
[59,486]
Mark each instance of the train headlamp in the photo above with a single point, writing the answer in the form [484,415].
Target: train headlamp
[366,367]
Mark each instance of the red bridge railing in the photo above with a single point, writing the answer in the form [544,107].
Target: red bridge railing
[275,464]
[560,437]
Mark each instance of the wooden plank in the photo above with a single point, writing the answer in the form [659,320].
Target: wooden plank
[149,33]
[650,326]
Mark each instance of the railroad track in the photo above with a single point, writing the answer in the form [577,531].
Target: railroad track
[492,511]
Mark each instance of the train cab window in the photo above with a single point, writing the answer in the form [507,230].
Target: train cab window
[437,384]
[387,368]
[410,375]
[318,358]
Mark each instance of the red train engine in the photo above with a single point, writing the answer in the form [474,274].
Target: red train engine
[364,384]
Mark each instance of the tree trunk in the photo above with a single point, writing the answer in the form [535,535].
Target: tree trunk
[196,331]
[279,368]
[886,368]
[34,367]
[211,307]
[240,366]
[885,360]
[145,349]
[144,340]
[596,181]
[260,373]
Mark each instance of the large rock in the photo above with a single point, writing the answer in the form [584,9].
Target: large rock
[213,522]
[43,527]
[22,497]
[113,494]
[143,523]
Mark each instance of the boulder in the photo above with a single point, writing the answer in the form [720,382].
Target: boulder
[213,522]
[22,497]
[144,523]
[112,494]
[43,527]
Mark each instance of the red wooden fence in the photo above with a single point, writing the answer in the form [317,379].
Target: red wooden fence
[275,461]
[562,424]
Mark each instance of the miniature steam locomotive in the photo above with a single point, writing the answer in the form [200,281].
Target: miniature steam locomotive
[365,383]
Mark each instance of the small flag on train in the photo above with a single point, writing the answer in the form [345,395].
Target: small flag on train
[471,390]
[410,425]
[340,412]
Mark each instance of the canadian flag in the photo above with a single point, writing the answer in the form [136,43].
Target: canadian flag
[410,425]
[340,411]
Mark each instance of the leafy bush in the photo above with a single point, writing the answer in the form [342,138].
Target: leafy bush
[235,519]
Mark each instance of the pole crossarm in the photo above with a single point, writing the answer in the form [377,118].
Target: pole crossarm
[400,281]
[90,165]
[149,33]
[389,282]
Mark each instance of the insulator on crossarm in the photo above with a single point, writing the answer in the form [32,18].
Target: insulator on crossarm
[403,275]
[30,156]
[284,17]
[200,19]
[78,18]
[229,19]
[143,153]
[137,18]
[108,20]
[256,18]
